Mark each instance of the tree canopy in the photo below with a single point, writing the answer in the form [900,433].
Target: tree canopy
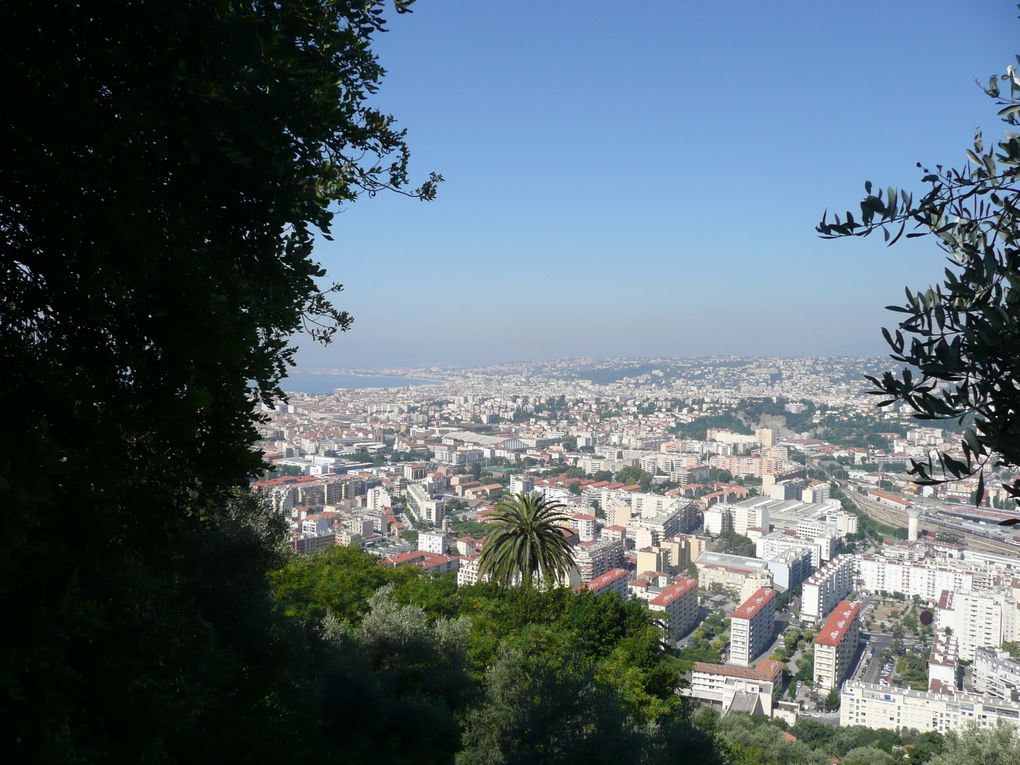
[168,168]
[524,541]
[958,339]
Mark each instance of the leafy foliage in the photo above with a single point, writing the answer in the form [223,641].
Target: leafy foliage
[980,747]
[524,541]
[168,168]
[958,338]
[583,673]
[735,544]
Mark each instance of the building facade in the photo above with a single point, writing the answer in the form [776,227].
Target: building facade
[679,604]
[836,645]
[752,626]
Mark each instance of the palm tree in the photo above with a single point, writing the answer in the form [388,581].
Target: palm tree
[526,539]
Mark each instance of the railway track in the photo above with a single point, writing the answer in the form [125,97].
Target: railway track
[898,519]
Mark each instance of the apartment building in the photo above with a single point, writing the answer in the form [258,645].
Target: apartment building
[378,499]
[789,567]
[878,707]
[836,645]
[731,572]
[521,484]
[423,507]
[996,674]
[597,557]
[585,524]
[433,541]
[752,625]
[652,559]
[944,663]
[925,578]
[666,524]
[614,580]
[679,603]
[753,690]
[467,572]
[823,590]
[979,619]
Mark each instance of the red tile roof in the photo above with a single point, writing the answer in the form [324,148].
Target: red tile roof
[836,626]
[604,580]
[750,607]
[766,669]
[667,596]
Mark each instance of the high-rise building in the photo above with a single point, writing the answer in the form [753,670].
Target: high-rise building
[752,625]
[836,645]
[824,589]
[679,603]
[979,619]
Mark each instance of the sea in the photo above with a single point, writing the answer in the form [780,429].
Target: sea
[311,382]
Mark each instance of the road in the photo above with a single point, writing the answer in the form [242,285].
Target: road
[870,668]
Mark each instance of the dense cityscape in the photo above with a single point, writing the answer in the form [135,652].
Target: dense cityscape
[279,488]
[759,508]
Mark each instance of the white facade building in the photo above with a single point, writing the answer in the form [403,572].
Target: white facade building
[753,690]
[836,645]
[996,674]
[823,590]
[679,604]
[433,541]
[752,625]
[877,707]
[978,619]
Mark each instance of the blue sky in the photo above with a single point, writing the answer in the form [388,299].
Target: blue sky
[644,178]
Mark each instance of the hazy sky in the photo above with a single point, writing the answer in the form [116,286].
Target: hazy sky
[644,178]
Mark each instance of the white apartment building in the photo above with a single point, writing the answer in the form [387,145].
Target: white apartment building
[585,525]
[925,578]
[362,525]
[679,603]
[663,525]
[771,546]
[824,534]
[944,663]
[651,505]
[836,645]
[415,471]
[978,619]
[718,519]
[789,567]
[433,541]
[878,706]
[521,484]
[421,505]
[739,517]
[823,590]
[752,625]
[378,499]
[818,491]
[730,572]
[996,674]
[597,557]
[467,574]
[753,690]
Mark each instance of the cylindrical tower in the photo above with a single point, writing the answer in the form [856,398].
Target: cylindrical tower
[912,523]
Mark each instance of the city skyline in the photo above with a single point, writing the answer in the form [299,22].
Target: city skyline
[663,204]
